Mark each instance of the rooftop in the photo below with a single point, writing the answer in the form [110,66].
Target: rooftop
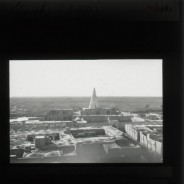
[62,110]
[95,108]
[45,122]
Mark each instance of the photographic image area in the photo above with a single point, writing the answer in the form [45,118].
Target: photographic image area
[86,111]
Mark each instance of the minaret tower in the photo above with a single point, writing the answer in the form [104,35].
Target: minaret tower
[94,101]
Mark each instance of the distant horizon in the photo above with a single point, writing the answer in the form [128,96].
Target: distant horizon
[82,96]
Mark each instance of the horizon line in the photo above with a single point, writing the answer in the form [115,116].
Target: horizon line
[74,96]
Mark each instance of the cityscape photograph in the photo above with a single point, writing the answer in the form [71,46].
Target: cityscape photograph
[86,111]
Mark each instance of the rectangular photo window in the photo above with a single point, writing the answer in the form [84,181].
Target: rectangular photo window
[86,111]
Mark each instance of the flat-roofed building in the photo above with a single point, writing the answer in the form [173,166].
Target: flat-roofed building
[104,118]
[38,125]
[98,111]
[59,115]
[95,113]
[39,141]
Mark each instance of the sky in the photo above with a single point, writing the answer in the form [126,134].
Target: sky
[47,78]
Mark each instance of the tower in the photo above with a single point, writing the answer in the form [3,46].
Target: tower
[94,101]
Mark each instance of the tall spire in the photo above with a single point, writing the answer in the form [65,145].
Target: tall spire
[94,101]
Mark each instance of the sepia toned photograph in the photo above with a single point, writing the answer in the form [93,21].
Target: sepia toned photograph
[86,111]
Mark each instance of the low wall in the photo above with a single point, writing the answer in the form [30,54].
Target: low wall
[132,132]
[151,144]
[154,146]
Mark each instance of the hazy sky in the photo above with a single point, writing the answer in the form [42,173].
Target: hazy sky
[79,77]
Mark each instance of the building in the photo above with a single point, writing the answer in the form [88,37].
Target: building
[52,135]
[40,141]
[152,116]
[97,114]
[95,108]
[148,135]
[137,119]
[39,125]
[60,115]
[98,111]
[94,101]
